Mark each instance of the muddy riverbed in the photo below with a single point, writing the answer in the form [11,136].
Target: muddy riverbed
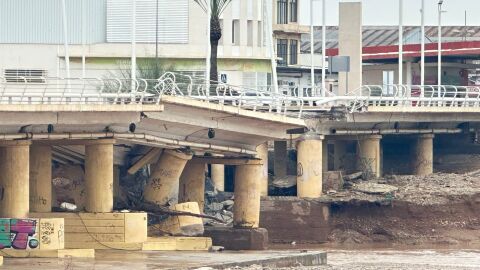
[396,260]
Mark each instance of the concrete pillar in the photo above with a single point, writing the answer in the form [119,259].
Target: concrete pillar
[218,176]
[369,155]
[310,166]
[281,158]
[246,210]
[350,44]
[339,153]
[163,183]
[192,184]
[116,183]
[423,155]
[262,153]
[41,178]
[325,156]
[14,183]
[99,176]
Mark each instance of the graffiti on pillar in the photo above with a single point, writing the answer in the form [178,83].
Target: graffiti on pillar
[18,233]
[299,169]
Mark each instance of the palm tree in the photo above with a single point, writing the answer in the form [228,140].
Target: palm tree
[216,7]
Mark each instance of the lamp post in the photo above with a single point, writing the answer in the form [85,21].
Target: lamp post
[312,49]
[324,45]
[439,70]
[400,42]
[422,61]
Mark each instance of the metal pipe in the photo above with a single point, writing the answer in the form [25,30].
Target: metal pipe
[133,70]
[83,39]
[312,49]
[400,42]
[268,17]
[395,131]
[422,68]
[65,38]
[209,49]
[439,70]
[324,46]
[124,136]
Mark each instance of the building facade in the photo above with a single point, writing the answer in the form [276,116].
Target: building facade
[32,37]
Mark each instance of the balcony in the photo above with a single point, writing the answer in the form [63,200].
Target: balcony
[291,28]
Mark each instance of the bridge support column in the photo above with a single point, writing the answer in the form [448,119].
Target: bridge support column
[99,176]
[246,210]
[217,174]
[281,158]
[310,166]
[423,155]
[262,153]
[162,185]
[339,153]
[14,179]
[41,178]
[192,184]
[369,156]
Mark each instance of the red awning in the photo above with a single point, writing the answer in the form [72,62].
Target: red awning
[463,48]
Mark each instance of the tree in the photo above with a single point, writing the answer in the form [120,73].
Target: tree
[217,7]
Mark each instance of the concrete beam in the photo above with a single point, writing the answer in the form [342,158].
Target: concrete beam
[369,155]
[422,161]
[310,166]
[148,158]
[40,179]
[246,210]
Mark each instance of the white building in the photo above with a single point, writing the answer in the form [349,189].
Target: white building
[31,37]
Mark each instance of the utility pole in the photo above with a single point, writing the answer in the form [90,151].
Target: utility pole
[134,48]
[422,68]
[324,46]
[312,50]
[439,70]
[400,42]
[65,39]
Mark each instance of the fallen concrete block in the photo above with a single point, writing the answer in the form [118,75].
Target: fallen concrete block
[238,239]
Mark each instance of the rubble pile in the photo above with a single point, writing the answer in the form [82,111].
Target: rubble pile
[218,204]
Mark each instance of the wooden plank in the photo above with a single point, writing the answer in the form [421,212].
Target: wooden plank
[146,159]
[94,237]
[94,229]
[227,160]
[135,227]
[105,245]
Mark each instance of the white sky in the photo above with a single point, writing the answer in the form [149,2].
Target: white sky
[385,12]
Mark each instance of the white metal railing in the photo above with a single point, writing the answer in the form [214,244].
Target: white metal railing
[291,100]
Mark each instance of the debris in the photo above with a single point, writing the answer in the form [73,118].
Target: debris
[68,206]
[285,182]
[216,249]
[332,180]
[353,176]
[375,188]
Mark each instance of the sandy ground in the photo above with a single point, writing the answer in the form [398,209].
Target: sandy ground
[397,260]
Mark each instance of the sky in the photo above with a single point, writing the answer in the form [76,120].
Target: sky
[385,12]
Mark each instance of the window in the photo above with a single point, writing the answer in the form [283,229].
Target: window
[282,11]
[293,52]
[25,75]
[282,51]
[250,33]
[293,10]
[236,32]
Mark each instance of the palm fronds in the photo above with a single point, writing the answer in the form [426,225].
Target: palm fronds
[217,6]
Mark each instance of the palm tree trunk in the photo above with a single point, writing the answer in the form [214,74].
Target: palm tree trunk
[213,61]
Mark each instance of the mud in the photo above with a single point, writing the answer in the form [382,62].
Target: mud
[437,210]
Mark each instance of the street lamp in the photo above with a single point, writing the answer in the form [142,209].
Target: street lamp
[439,71]
[422,61]
[400,42]
[312,47]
